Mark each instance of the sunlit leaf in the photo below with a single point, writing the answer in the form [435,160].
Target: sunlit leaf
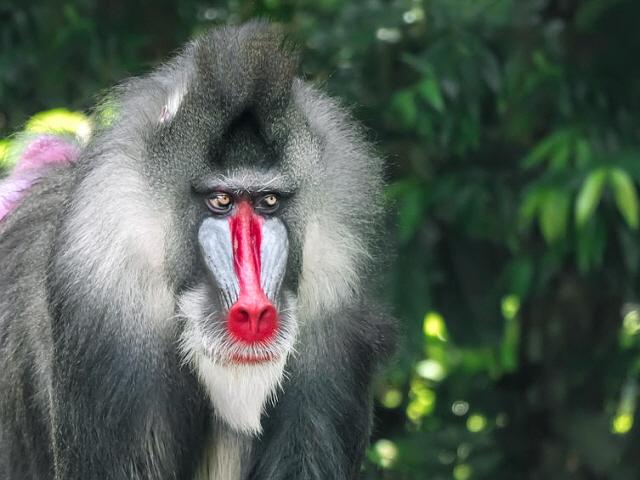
[589,195]
[553,215]
[626,196]
[434,326]
[4,157]
[384,453]
[60,120]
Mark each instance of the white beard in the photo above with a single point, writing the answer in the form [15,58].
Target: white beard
[240,392]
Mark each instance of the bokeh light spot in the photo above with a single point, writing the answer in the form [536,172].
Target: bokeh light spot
[386,451]
[476,423]
[390,35]
[422,403]
[510,306]
[460,408]
[434,326]
[462,472]
[391,398]
[622,423]
[431,370]
[631,322]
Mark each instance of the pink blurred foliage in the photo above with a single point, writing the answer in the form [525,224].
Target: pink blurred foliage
[41,153]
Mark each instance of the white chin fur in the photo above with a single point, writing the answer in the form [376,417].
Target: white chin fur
[239,392]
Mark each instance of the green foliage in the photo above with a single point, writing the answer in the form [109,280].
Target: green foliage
[511,128]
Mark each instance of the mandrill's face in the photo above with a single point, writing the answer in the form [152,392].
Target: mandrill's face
[239,311]
[245,317]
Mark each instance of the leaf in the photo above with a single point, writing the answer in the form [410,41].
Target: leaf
[429,90]
[411,212]
[404,103]
[589,195]
[560,157]
[529,207]
[553,215]
[548,147]
[626,196]
[590,243]
[4,155]
[60,120]
[582,152]
[518,276]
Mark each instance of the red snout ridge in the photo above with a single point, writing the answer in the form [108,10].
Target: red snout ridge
[253,318]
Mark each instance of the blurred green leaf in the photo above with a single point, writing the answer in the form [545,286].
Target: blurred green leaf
[405,105]
[560,157]
[626,196]
[410,198]
[4,155]
[583,152]
[429,90]
[590,244]
[589,195]
[554,211]
[555,146]
[530,206]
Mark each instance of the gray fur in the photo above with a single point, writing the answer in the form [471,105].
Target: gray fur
[102,281]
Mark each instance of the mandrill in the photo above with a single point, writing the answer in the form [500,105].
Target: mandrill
[187,295]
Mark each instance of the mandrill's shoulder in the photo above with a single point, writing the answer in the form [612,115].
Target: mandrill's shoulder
[27,236]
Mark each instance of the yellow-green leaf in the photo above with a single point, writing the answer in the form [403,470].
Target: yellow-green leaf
[626,196]
[60,120]
[553,215]
[4,154]
[589,195]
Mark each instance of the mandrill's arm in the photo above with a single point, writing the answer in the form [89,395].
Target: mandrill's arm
[319,427]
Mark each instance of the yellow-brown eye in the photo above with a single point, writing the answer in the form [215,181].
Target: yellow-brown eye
[220,202]
[268,203]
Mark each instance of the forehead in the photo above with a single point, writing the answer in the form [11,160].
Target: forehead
[243,144]
[243,159]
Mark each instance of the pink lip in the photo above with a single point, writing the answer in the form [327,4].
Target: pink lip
[251,359]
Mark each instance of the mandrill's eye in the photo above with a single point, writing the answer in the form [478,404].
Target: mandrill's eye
[219,203]
[268,203]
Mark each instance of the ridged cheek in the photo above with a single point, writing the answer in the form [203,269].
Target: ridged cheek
[246,255]
[273,256]
[214,237]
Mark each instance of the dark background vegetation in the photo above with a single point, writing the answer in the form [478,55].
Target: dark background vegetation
[512,138]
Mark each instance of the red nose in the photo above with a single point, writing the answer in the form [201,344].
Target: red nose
[252,318]
[252,322]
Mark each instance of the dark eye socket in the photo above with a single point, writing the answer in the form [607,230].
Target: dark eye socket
[219,202]
[268,203]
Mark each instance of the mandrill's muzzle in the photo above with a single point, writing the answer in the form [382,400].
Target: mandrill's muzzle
[247,256]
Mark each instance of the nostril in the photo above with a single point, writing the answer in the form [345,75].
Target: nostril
[252,322]
[266,318]
[241,315]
